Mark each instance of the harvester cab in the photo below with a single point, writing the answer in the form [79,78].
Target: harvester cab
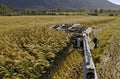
[77,39]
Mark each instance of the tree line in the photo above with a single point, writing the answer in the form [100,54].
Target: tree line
[8,11]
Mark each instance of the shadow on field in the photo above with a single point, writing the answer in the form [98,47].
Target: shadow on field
[60,57]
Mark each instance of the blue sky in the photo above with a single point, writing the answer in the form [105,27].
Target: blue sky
[115,1]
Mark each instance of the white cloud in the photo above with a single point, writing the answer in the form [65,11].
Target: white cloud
[115,1]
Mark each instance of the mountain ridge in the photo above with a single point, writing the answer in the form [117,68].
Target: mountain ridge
[66,4]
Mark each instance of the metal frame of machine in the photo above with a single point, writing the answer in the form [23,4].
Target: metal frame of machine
[83,37]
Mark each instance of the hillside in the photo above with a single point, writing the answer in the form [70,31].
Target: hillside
[50,4]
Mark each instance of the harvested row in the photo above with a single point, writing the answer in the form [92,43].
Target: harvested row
[109,65]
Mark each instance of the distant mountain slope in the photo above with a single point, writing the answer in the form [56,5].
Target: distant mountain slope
[88,4]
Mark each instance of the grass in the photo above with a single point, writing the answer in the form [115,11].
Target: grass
[28,47]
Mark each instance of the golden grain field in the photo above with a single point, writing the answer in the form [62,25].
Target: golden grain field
[28,48]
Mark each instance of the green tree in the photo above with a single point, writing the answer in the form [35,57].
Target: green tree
[5,10]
